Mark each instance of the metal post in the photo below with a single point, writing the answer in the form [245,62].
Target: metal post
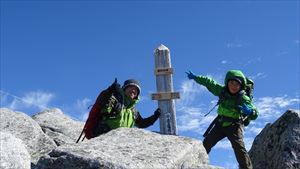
[165,95]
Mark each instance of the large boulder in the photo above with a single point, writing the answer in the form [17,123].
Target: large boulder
[278,144]
[25,128]
[13,152]
[126,148]
[58,126]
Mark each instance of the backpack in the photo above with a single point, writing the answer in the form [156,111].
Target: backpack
[249,88]
[95,114]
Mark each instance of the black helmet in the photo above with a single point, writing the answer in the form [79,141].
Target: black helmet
[132,82]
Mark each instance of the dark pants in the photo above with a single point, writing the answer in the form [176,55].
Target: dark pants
[235,134]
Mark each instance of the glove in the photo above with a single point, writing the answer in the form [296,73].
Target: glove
[117,108]
[115,87]
[190,75]
[246,109]
[157,112]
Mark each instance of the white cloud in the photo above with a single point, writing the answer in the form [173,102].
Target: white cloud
[192,119]
[224,61]
[39,99]
[188,92]
[236,43]
[233,45]
[81,107]
[259,75]
[272,107]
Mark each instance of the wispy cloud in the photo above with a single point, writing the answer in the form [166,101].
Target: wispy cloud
[272,107]
[233,45]
[259,75]
[188,92]
[190,117]
[237,43]
[81,108]
[224,62]
[282,53]
[39,99]
[253,60]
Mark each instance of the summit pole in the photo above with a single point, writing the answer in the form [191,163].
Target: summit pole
[165,95]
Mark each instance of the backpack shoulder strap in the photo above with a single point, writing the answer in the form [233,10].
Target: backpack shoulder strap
[222,97]
[135,113]
[239,98]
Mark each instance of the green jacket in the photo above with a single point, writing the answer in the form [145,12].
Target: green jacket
[120,111]
[227,107]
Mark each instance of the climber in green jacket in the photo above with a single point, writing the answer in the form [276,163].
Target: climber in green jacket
[235,110]
[120,110]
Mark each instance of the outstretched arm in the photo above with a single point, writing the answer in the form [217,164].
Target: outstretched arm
[214,87]
[141,122]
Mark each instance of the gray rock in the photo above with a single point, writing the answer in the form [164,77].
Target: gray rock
[126,148]
[25,128]
[58,126]
[13,152]
[278,145]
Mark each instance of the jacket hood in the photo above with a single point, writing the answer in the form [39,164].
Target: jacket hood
[235,74]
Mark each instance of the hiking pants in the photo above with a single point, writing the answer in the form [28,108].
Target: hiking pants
[235,134]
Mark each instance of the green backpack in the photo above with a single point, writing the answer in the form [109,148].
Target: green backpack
[249,88]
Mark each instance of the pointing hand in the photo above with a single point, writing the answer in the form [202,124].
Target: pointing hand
[191,75]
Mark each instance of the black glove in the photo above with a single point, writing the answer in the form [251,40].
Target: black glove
[115,87]
[157,112]
[117,108]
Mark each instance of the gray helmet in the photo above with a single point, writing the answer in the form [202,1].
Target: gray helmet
[132,82]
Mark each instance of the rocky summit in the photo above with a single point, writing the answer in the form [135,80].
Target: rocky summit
[129,148]
[49,137]
[47,141]
[278,144]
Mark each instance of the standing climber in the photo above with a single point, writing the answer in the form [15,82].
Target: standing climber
[235,110]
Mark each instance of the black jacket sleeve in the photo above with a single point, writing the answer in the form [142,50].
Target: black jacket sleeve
[141,122]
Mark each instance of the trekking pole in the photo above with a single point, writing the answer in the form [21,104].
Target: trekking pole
[211,110]
[245,118]
[81,133]
[80,136]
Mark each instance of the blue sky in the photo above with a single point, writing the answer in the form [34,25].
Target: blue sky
[62,54]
